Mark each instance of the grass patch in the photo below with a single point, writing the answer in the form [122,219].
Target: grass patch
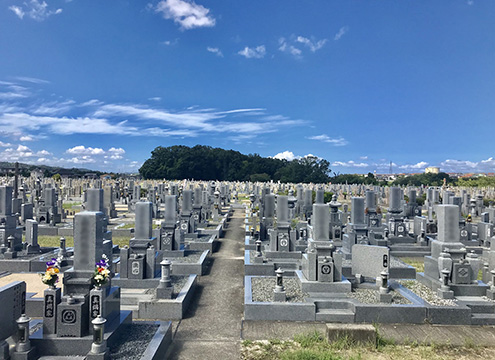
[54,241]
[415,262]
[314,346]
[69,205]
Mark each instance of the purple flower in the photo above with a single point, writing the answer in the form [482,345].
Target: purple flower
[102,263]
[52,262]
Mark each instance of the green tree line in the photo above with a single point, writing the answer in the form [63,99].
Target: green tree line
[207,163]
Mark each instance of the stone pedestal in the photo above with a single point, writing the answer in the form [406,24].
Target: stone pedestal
[72,318]
[52,298]
[279,296]
[445,294]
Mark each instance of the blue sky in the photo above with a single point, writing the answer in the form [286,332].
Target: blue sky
[100,84]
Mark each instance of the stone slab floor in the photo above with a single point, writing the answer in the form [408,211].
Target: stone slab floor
[212,327]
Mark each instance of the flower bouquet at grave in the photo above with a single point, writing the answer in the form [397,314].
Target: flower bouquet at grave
[50,276]
[102,273]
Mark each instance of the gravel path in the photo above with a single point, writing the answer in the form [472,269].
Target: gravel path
[370,296]
[426,293]
[262,289]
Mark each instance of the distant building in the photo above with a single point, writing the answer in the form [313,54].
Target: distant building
[432,170]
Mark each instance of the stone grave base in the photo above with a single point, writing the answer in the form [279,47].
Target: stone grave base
[147,307]
[202,242]
[66,346]
[268,267]
[330,306]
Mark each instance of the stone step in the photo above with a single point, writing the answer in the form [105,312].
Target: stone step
[410,253]
[326,305]
[335,315]
[133,308]
[134,300]
[62,358]
[481,307]
[483,319]
[404,247]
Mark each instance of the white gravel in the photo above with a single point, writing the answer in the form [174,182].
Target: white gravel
[426,293]
[262,289]
[370,296]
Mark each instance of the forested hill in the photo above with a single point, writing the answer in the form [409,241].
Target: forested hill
[207,163]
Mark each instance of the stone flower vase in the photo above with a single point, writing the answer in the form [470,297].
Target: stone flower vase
[475,263]
[444,262]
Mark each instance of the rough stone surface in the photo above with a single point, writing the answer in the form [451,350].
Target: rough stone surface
[370,296]
[426,293]
[262,289]
[133,341]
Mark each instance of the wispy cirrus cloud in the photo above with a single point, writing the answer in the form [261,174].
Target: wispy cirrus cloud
[34,9]
[312,44]
[342,31]
[215,51]
[294,45]
[340,141]
[32,80]
[257,52]
[36,118]
[187,14]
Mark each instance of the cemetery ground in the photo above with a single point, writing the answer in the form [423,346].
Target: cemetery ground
[315,346]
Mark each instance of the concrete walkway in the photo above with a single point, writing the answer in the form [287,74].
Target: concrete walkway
[212,326]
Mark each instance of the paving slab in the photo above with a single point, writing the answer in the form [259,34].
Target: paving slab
[211,328]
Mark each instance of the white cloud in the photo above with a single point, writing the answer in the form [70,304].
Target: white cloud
[12,123]
[350,163]
[43,153]
[325,138]
[11,91]
[115,153]
[342,31]
[286,47]
[363,158]
[53,107]
[18,11]
[187,14]
[22,153]
[34,9]
[37,120]
[253,53]
[81,149]
[32,80]
[170,42]
[215,51]
[92,102]
[156,98]
[417,166]
[116,150]
[286,155]
[81,160]
[312,44]
[2,144]
[293,43]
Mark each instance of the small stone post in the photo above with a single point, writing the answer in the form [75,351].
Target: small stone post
[490,293]
[444,291]
[279,291]
[384,291]
[165,289]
